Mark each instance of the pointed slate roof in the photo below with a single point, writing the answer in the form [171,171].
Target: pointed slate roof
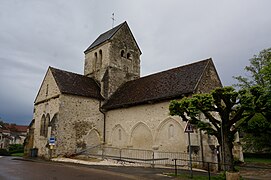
[104,37]
[107,36]
[173,83]
[76,84]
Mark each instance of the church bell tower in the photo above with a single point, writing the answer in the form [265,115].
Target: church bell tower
[113,59]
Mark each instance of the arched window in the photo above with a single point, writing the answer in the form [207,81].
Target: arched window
[42,122]
[53,124]
[128,56]
[125,68]
[95,61]
[47,120]
[122,53]
[44,125]
[100,58]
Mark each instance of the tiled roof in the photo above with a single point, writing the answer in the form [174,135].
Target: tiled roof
[168,84]
[17,128]
[104,37]
[21,128]
[76,84]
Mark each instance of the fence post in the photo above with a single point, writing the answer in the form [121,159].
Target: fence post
[102,153]
[208,167]
[120,154]
[175,166]
[152,159]
[190,156]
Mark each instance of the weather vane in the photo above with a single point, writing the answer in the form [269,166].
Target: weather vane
[113,19]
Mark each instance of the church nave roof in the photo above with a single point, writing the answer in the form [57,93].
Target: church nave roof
[170,84]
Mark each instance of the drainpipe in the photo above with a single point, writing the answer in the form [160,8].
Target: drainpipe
[104,117]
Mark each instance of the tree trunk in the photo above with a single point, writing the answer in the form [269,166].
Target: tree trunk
[227,153]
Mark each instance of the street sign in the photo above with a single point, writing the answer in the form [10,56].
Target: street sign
[188,128]
[52,141]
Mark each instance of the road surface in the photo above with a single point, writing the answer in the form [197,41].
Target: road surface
[19,169]
[15,169]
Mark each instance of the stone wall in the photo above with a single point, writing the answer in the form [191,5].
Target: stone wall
[80,124]
[124,41]
[46,105]
[74,121]
[209,80]
[96,66]
[114,62]
[148,127]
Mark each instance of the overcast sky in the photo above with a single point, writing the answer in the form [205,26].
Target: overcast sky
[35,34]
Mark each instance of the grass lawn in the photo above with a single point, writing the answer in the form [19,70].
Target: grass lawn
[257,160]
[18,154]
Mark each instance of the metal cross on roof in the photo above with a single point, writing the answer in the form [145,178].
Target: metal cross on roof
[113,19]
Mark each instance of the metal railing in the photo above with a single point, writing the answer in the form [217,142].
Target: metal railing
[137,155]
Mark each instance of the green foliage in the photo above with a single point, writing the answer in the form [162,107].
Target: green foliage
[258,129]
[258,160]
[4,152]
[225,110]
[259,71]
[16,148]
[18,154]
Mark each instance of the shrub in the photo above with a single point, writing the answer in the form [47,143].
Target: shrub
[16,148]
[4,152]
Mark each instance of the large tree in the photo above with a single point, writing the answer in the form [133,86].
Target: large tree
[258,72]
[259,127]
[225,109]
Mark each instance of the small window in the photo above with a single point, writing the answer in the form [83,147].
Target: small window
[125,68]
[128,56]
[100,58]
[101,54]
[170,131]
[122,53]
[120,134]
[47,87]
[95,55]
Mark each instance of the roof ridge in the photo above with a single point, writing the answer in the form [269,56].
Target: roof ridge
[196,62]
[50,67]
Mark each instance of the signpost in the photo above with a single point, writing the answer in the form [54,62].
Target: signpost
[189,129]
[52,143]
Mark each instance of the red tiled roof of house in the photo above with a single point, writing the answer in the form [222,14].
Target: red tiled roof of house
[18,128]
[21,128]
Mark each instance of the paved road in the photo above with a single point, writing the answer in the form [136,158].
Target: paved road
[15,169]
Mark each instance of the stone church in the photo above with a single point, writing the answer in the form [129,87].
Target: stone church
[112,105]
